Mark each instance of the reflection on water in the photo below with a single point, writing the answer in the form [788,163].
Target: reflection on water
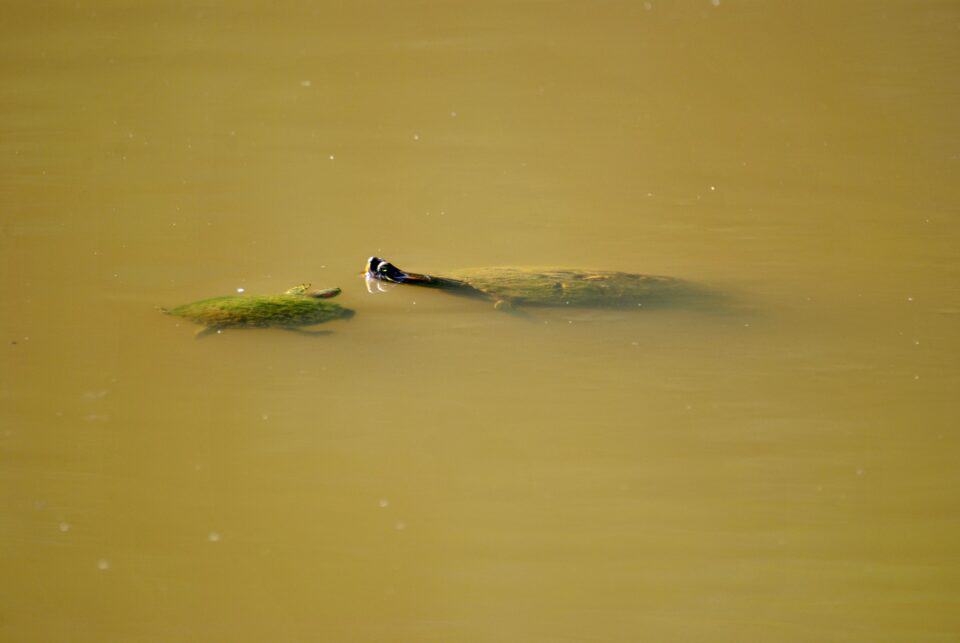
[432,470]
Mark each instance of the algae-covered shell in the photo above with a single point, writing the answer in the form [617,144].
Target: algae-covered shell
[570,287]
[292,309]
[523,286]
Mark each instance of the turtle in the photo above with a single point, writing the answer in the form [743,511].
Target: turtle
[512,287]
[290,310]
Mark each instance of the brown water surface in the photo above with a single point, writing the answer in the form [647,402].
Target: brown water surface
[784,469]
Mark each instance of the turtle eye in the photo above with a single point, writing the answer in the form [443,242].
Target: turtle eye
[381,269]
[388,271]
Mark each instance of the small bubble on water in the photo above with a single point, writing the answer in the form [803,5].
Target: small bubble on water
[400,526]
[331,157]
[241,289]
[213,536]
[305,83]
[416,137]
[264,417]
[916,377]
[64,527]
[860,472]
[453,114]
[384,502]
[103,564]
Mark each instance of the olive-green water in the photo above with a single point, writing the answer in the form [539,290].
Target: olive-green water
[783,468]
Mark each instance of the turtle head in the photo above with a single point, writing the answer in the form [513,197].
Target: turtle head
[377,268]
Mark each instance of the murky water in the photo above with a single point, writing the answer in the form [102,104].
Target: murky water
[783,469]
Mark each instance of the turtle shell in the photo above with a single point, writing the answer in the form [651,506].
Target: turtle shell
[572,287]
[257,311]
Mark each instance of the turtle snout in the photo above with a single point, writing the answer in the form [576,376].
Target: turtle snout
[372,264]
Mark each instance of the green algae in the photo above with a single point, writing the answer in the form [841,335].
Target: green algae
[261,311]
